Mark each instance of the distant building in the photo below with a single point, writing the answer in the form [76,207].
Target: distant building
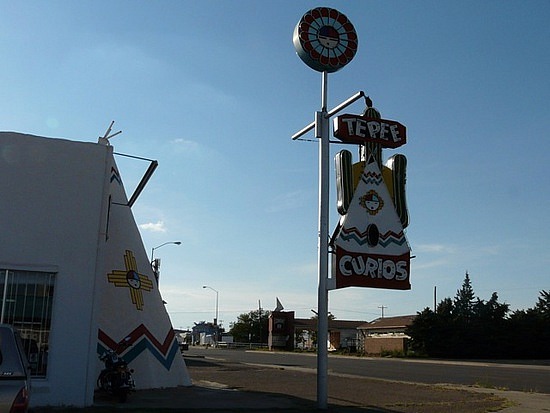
[384,334]
[74,275]
[343,334]
[206,333]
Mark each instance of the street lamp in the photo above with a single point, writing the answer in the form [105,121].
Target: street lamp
[155,264]
[217,293]
[216,329]
[162,245]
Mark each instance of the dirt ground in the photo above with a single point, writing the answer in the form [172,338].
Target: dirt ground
[346,394]
[226,387]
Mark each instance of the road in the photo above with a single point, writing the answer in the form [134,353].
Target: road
[503,375]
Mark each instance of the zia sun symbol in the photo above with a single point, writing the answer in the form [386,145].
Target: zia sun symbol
[130,278]
[372,202]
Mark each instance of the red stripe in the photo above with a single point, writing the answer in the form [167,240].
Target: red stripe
[136,335]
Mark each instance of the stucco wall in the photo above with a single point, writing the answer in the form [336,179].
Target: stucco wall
[52,198]
[64,210]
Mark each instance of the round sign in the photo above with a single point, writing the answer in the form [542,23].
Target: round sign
[325,39]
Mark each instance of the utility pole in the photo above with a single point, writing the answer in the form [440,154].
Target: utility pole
[382,307]
[260,319]
[4,296]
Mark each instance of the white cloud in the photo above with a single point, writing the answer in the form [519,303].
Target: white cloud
[153,226]
[435,248]
[185,145]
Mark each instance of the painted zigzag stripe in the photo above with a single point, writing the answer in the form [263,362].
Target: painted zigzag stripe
[115,176]
[140,347]
[140,340]
[392,238]
[371,178]
[386,239]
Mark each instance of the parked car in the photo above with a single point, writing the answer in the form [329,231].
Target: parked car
[14,372]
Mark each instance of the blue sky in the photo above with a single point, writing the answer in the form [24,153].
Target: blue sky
[214,90]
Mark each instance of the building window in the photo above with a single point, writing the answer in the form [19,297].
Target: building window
[27,298]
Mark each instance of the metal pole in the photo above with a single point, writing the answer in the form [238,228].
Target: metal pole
[330,113]
[216,329]
[162,245]
[260,319]
[216,320]
[321,125]
[156,270]
[321,129]
[4,296]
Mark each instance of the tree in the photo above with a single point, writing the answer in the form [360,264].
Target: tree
[469,327]
[490,311]
[251,327]
[421,331]
[464,300]
[466,327]
[530,330]
[543,305]
[487,329]
[314,332]
[445,309]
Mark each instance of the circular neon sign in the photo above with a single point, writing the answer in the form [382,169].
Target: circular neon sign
[325,39]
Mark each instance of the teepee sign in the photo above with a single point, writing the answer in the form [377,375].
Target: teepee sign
[369,243]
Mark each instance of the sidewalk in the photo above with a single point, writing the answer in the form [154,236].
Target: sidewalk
[521,402]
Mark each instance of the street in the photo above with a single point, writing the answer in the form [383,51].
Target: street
[502,375]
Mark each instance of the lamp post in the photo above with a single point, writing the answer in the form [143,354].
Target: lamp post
[216,329]
[4,296]
[155,265]
[162,245]
[217,294]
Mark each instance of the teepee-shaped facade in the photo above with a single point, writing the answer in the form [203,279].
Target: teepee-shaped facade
[78,277]
[131,307]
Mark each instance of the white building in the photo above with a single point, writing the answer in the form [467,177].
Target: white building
[75,278]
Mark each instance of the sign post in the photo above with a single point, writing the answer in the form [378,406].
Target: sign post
[326,41]
[368,246]
[321,132]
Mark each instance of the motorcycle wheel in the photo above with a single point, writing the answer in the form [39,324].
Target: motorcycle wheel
[122,396]
[101,382]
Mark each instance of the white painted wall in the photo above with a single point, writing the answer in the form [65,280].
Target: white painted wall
[52,194]
[54,198]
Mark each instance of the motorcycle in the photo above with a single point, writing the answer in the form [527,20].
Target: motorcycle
[116,377]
